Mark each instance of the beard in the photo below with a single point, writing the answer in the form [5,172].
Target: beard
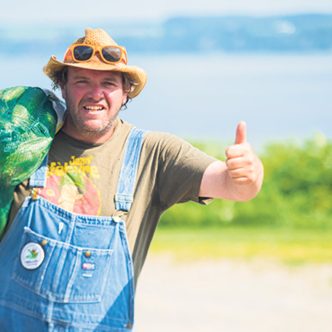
[89,128]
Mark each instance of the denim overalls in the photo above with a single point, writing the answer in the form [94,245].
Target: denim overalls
[61,271]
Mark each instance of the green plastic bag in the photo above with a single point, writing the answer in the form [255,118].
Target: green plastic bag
[29,119]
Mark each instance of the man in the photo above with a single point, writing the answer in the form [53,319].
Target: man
[80,228]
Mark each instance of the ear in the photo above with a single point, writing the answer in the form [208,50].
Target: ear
[124,98]
[63,91]
[63,82]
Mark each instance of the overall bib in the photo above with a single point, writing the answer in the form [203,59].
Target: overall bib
[61,271]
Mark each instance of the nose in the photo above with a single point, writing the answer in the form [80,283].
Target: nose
[96,93]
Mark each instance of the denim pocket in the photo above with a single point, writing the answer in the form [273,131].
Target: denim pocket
[67,273]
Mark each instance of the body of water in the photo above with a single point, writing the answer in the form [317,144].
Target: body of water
[204,96]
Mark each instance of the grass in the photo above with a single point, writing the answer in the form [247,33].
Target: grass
[284,245]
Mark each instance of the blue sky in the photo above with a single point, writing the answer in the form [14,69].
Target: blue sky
[37,11]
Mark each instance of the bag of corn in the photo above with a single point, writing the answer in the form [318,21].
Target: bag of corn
[29,119]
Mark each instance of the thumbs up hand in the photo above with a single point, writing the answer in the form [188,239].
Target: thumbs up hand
[240,178]
[243,166]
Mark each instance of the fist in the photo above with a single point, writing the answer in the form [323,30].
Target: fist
[243,165]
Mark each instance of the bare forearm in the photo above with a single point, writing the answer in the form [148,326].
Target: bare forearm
[217,182]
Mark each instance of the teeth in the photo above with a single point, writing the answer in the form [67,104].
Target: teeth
[93,108]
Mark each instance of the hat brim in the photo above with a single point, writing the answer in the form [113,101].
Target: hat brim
[137,74]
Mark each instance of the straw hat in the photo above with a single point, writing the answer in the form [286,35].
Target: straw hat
[98,38]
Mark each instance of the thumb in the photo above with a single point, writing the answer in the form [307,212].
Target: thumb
[241,133]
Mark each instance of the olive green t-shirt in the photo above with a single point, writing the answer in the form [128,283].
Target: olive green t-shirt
[83,178]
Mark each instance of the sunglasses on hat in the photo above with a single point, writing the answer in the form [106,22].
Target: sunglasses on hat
[109,54]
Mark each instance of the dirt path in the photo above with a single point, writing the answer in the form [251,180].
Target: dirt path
[233,296]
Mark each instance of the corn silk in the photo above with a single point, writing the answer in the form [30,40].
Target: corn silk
[29,120]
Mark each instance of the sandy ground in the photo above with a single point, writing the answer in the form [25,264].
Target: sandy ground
[233,296]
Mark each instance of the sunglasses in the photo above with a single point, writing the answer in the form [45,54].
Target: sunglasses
[109,54]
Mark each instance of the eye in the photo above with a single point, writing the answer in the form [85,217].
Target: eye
[81,81]
[110,83]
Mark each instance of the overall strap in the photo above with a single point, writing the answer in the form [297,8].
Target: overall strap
[38,178]
[126,184]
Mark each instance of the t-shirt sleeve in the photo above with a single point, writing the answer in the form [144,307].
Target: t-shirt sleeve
[180,170]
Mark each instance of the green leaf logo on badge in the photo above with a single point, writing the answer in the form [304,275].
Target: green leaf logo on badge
[32,256]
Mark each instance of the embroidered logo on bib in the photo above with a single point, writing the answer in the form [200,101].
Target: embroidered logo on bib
[32,256]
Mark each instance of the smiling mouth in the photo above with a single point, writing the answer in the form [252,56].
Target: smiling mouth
[93,108]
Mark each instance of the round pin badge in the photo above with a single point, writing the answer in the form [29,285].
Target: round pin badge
[32,256]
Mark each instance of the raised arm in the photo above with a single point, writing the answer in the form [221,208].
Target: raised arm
[240,178]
